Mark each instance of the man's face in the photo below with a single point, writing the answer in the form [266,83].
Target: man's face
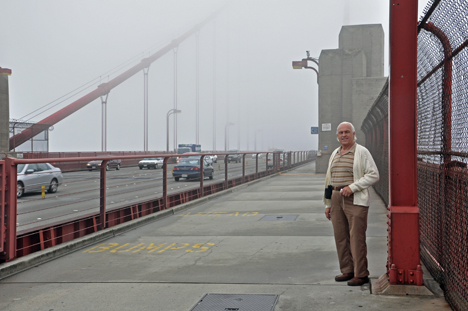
[346,135]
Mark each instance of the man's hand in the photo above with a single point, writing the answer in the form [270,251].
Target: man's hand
[327,213]
[346,191]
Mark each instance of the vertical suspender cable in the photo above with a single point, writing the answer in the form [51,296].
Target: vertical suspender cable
[104,123]
[145,116]
[175,98]
[238,122]
[227,79]
[197,79]
[102,89]
[214,85]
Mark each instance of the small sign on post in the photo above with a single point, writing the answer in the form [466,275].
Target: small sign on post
[314,130]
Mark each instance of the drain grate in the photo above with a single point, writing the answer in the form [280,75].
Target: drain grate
[279,217]
[241,302]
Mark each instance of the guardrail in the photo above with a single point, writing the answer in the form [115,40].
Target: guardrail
[111,198]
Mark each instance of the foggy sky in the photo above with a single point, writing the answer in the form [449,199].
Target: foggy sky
[53,47]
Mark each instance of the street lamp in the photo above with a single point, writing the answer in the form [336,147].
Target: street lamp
[172,111]
[304,64]
[226,143]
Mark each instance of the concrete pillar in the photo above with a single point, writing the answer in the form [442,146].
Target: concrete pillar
[370,40]
[351,78]
[4,110]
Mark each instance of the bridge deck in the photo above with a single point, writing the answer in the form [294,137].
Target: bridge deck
[221,246]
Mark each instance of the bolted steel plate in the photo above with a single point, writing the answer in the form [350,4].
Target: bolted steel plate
[279,217]
[233,302]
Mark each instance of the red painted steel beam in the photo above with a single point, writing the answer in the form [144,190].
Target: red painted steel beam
[9,249]
[3,183]
[404,257]
[102,89]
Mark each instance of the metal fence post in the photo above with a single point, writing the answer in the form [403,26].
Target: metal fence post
[3,182]
[243,168]
[164,198]
[202,174]
[226,183]
[103,193]
[403,253]
[10,211]
[256,165]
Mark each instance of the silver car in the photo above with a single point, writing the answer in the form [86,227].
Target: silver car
[151,163]
[31,178]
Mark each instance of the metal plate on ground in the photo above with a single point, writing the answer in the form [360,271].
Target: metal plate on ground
[279,217]
[233,302]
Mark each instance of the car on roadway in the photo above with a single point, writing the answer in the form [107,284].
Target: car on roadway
[260,155]
[234,157]
[213,157]
[96,164]
[189,168]
[187,154]
[206,158]
[31,177]
[151,163]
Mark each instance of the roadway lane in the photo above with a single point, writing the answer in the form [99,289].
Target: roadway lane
[79,193]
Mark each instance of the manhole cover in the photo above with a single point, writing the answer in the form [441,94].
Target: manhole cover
[279,217]
[229,302]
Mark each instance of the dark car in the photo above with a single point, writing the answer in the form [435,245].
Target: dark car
[189,168]
[96,164]
[234,157]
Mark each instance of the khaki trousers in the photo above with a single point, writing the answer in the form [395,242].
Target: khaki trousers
[350,225]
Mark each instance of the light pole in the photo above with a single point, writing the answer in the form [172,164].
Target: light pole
[226,136]
[172,111]
[304,64]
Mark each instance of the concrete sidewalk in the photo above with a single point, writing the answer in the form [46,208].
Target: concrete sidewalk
[268,238]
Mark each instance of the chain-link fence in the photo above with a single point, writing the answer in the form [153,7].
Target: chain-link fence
[443,146]
[442,142]
[375,126]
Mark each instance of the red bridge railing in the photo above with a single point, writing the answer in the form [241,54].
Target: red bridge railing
[101,202]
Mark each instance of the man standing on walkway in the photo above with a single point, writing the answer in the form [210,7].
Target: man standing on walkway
[351,171]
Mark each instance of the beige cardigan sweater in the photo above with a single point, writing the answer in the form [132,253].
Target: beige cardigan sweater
[365,174]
